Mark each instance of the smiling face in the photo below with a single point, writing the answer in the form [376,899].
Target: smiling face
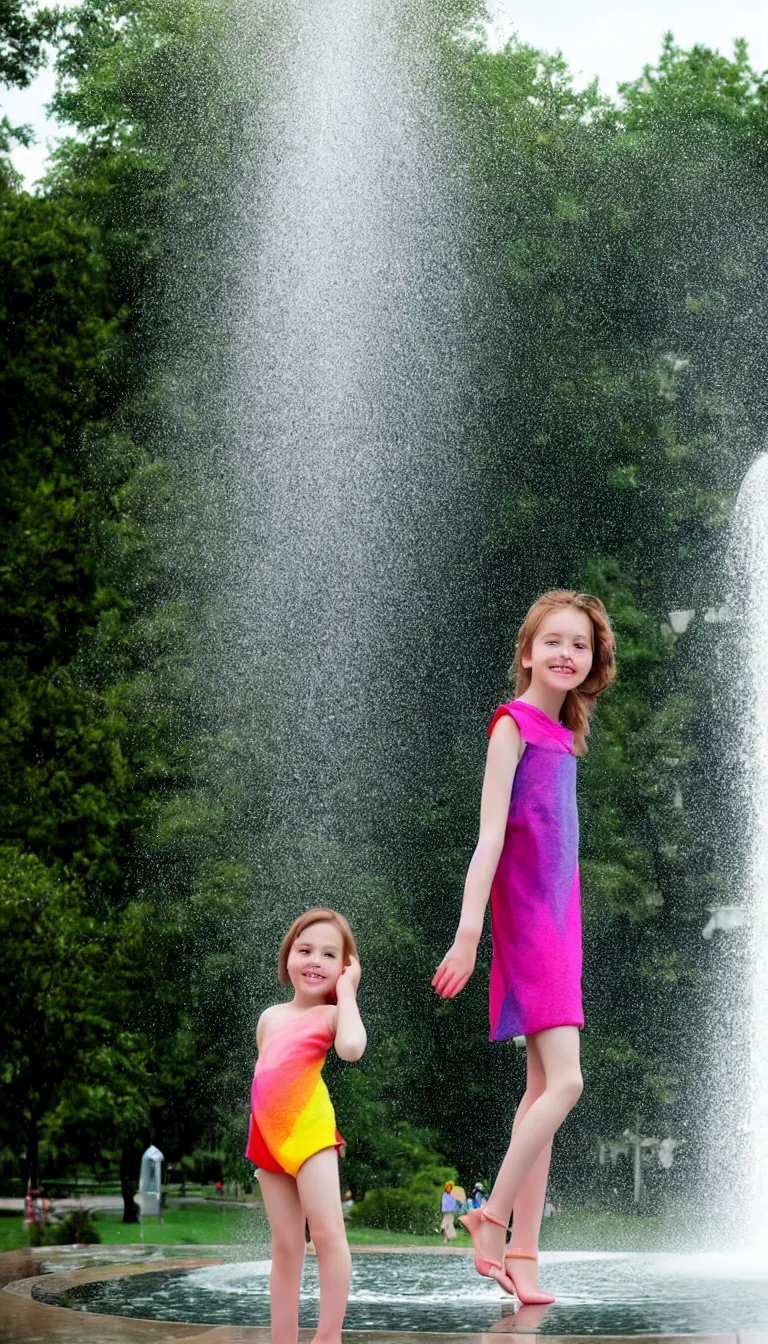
[315,961]
[560,658]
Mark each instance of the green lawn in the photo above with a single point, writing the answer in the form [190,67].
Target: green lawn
[189,1225]
[581,1231]
[209,1225]
[13,1234]
[377,1236]
[589,1231]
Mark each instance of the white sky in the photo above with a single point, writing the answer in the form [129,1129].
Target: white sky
[612,39]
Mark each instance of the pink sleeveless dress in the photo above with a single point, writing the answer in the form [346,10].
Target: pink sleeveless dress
[535,898]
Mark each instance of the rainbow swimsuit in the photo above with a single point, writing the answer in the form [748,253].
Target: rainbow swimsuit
[291,1112]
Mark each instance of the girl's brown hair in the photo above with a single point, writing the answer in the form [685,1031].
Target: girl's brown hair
[579,703]
[300,925]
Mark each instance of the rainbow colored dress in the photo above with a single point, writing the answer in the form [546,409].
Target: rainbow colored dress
[535,898]
[291,1112]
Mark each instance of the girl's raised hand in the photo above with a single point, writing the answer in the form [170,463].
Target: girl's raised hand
[455,969]
[350,977]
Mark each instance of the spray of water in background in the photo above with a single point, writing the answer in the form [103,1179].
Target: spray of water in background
[750,528]
[344,551]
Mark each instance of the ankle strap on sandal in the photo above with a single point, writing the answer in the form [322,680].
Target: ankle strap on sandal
[519,1255]
[489,1218]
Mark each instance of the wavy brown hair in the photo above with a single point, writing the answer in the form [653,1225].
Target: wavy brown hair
[300,926]
[578,703]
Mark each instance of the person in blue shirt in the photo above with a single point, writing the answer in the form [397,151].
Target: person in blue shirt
[478,1197]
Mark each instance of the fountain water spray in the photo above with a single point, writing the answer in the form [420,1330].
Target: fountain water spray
[344,553]
[751,543]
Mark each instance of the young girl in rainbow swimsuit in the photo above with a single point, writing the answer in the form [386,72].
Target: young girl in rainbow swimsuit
[526,860]
[293,1139]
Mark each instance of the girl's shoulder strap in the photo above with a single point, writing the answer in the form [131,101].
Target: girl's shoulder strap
[508,711]
[536,727]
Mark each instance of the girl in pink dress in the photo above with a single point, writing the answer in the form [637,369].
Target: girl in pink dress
[526,861]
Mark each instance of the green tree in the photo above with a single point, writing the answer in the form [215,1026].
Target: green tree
[65,782]
[101,782]
[23,31]
[66,993]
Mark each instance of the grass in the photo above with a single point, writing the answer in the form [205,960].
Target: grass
[195,1225]
[378,1236]
[189,1225]
[203,1225]
[209,1225]
[592,1231]
[13,1233]
[578,1231]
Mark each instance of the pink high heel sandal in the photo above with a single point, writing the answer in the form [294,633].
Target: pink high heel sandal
[539,1299]
[471,1220]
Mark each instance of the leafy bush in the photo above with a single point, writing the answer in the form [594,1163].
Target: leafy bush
[413,1208]
[381,1149]
[76,1227]
[397,1211]
[430,1180]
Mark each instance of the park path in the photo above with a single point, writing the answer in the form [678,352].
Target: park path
[9,1205]
[15,1205]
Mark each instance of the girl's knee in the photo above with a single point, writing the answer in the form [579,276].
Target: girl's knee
[286,1249]
[327,1233]
[571,1087]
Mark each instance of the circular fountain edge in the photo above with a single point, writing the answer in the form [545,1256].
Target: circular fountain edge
[24,1317]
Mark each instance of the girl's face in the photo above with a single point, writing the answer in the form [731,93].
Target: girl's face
[561,654]
[316,960]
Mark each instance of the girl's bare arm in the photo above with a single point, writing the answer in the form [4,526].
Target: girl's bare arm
[504,751]
[351,1039]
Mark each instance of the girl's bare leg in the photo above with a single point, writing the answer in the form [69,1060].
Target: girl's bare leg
[528,1208]
[320,1195]
[286,1222]
[558,1051]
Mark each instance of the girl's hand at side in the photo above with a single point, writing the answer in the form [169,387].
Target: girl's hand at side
[456,967]
[504,750]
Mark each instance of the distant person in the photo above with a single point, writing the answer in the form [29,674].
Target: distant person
[449,1208]
[526,861]
[347,1205]
[31,1206]
[48,1214]
[219,1187]
[478,1195]
[293,1139]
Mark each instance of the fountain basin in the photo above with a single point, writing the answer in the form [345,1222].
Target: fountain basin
[599,1294]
